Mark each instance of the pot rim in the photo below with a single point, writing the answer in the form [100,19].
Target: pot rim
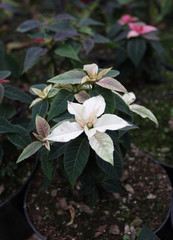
[170,211]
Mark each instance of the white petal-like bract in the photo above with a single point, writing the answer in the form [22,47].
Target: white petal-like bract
[102,144]
[65,132]
[110,122]
[143,112]
[91,69]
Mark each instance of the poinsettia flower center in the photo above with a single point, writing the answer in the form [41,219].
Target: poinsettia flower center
[90,125]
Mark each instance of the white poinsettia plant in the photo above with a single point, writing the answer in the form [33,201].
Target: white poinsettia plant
[82,121]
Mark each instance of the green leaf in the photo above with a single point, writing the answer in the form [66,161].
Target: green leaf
[66,115]
[158,48]
[29,150]
[121,105]
[4,74]
[89,21]
[112,186]
[108,95]
[1,154]
[67,51]
[111,73]
[57,150]
[61,25]
[93,197]
[100,39]
[75,158]
[114,30]
[147,234]
[38,86]
[107,167]
[33,55]
[7,110]
[46,164]
[59,103]
[1,55]
[28,25]
[21,138]
[115,171]
[40,109]
[17,94]
[13,65]
[136,49]
[1,92]
[6,126]
[72,77]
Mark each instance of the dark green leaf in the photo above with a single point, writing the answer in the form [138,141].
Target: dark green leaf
[13,65]
[29,150]
[1,154]
[136,49]
[20,139]
[7,110]
[93,197]
[107,167]
[4,74]
[28,25]
[89,21]
[59,103]
[75,158]
[114,30]
[65,115]
[6,126]
[46,164]
[118,160]
[67,51]
[88,44]
[1,55]
[63,25]
[147,234]
[108,96]
[1,92]
[62,35]
[125,141]
[121,105]
[111,73]
[39,109]
[100,39]
[72,77]
[112,186]
[57,150]
[38,86]
[158,48]
[17,94]
[33,55]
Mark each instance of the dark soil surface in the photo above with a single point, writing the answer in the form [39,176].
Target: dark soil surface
[145,201]
[15,176]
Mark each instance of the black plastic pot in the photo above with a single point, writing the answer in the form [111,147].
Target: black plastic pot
[164,232]
[13,224]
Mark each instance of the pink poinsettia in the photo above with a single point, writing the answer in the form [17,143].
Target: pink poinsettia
[3,81]
[139,29]
[38,40]
[125,19]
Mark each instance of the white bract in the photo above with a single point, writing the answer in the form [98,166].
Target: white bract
[140,110]
[86,116]
[41,93]
[97,77]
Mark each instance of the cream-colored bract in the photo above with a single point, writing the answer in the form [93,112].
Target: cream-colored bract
[41,93]
[93,75]
[129,98]
[86,116]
